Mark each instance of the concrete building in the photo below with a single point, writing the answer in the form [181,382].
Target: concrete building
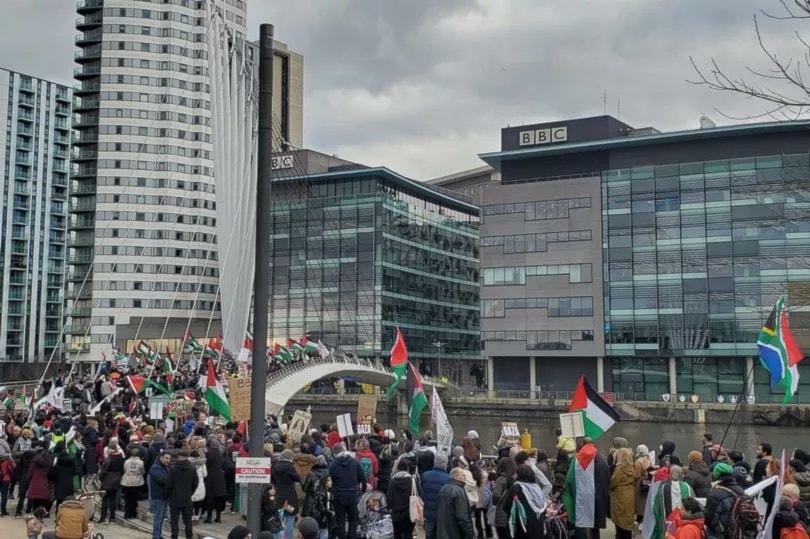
[35,142]
[470,182]
[647,261]
[143,245]
[357,252]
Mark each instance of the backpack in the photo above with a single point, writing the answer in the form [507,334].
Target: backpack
[796,531]
[368,468]
[744,521]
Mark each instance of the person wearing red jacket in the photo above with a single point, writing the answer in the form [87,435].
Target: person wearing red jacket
[368,461]
[333,437]
[689,523]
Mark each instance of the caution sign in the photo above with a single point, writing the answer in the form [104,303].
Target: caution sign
[253,470]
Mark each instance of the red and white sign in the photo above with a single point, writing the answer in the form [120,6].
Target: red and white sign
[253,470]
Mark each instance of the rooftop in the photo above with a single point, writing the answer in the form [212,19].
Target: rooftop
[495,159]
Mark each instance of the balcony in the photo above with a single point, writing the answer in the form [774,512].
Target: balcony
[77,328]
[25,115]
[83,6]
[84,172]
[81,258]
[61,153]
[83,205]
[87,71]
[88,22]
[62,110]
[82,222]
[82,240]
[58,194]
[62,95]
[85,104]
[22,190]
[79,275]
[24,130]
[61,139]
[58,222]
[87,54]
[86,87]
[83,188]
[27,87]
[60,180]
[26,101]
[80,293]
[85,154]
[86,120]
[58,269]
[60,166]
[22,204]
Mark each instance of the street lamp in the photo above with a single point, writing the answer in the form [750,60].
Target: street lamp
[438,345]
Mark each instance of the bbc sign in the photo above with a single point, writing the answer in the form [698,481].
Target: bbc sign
[281,162]
[543,136]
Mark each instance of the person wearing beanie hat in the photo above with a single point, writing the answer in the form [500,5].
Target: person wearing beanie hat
[308,528]
[698,475]
[432,482]
[718,509]
[239,532]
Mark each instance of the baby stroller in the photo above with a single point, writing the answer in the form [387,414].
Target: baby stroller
[375,521]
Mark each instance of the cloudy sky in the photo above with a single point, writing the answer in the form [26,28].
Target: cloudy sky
[423,86]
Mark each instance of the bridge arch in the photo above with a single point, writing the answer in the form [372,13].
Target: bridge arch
[284,384]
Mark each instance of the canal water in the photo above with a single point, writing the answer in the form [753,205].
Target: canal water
[687,437]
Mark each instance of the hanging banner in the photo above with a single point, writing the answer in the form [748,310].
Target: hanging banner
[299,425]
[239,397]
[444,431]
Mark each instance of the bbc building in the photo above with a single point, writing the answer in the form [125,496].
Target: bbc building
[647,261]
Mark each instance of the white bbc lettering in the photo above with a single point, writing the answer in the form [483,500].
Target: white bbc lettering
[543,136]
[282,162]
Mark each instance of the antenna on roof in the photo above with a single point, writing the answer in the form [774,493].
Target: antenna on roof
[604,102]
[618,109]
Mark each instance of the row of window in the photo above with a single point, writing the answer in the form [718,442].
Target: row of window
[157,200]
[156,268]
[156,183]
[545,209]
[577,273]
[159,149]
[201,254]
[533,243]
[132,164]
[150,234]
[163,65]
[158,82]
[159,287]
[556,307]
[153,132]
[177,304]
[155,15]
[541,340]
[156,217]
[166,115]
[162,99]
[153,31]
[194,54]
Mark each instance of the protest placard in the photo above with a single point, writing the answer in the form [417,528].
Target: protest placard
[367,407]
[239,390]
[299,425]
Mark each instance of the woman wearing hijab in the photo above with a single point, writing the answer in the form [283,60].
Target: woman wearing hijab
[642,480]
[525,505]
[622,491]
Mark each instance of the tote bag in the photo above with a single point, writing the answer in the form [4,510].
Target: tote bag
[416,506]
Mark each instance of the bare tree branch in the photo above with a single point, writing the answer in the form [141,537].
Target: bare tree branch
[782,86]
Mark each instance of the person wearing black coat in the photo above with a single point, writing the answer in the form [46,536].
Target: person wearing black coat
[312,484]
[181,483]
[398,498]
[22,468]
[285,477]
[90,442]
[785,517]
[216,491]
[110,474]
[454,517]
[719,502]
[698,476]
[61,475]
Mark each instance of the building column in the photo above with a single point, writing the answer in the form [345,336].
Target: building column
[600,374]
[673,376]
[490,375]
[749,376]
[532,376]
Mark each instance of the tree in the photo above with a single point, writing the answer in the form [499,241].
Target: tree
[781,86]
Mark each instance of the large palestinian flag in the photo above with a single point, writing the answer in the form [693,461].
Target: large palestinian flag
[597,415]
[399,362]
[416,398]
[579,491]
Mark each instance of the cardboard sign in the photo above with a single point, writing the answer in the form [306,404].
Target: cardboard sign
[299,425]
[571,425]
[366,407]
[239,396]
[344,423]
[155,409]
[509,429]
[253,470]
[364,425]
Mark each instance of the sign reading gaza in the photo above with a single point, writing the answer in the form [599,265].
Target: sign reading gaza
[548,135]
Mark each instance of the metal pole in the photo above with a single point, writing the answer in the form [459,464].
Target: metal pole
[261,281]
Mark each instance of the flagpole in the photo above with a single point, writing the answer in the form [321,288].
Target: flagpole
[737,406]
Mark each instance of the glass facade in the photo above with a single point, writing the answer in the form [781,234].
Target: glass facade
[695,256]
[354,255]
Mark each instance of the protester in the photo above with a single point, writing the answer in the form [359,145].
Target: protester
[689,524]
[432,482]
[801,475]
[158,493]
[622,493]
[503,484]
[764,456]
[348,480]
[708,457]
[34,524]
[132,483]
[216,491]
[110,476]
[718,507]
[398,497]
[71,519]
[697,475]
[181,483]
[529,518]
[454,520]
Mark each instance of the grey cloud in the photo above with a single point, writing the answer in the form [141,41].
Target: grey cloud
[423,86]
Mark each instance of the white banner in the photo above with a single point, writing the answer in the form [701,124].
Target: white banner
[444,431]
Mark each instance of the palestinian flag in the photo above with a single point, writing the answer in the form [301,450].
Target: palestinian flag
[597,415]
[778,351]
[667,498]
[309,346]
[168,366]
[215,394]
[398,362]
[144,350]
[416,398]
[8,402]
[190,344]
[281,354]
[579,490]
[139,384]
[294,346]
[121,360]
[248,341]
[210,353]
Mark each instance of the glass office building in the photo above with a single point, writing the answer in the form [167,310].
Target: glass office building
[358,252]
[701,232]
